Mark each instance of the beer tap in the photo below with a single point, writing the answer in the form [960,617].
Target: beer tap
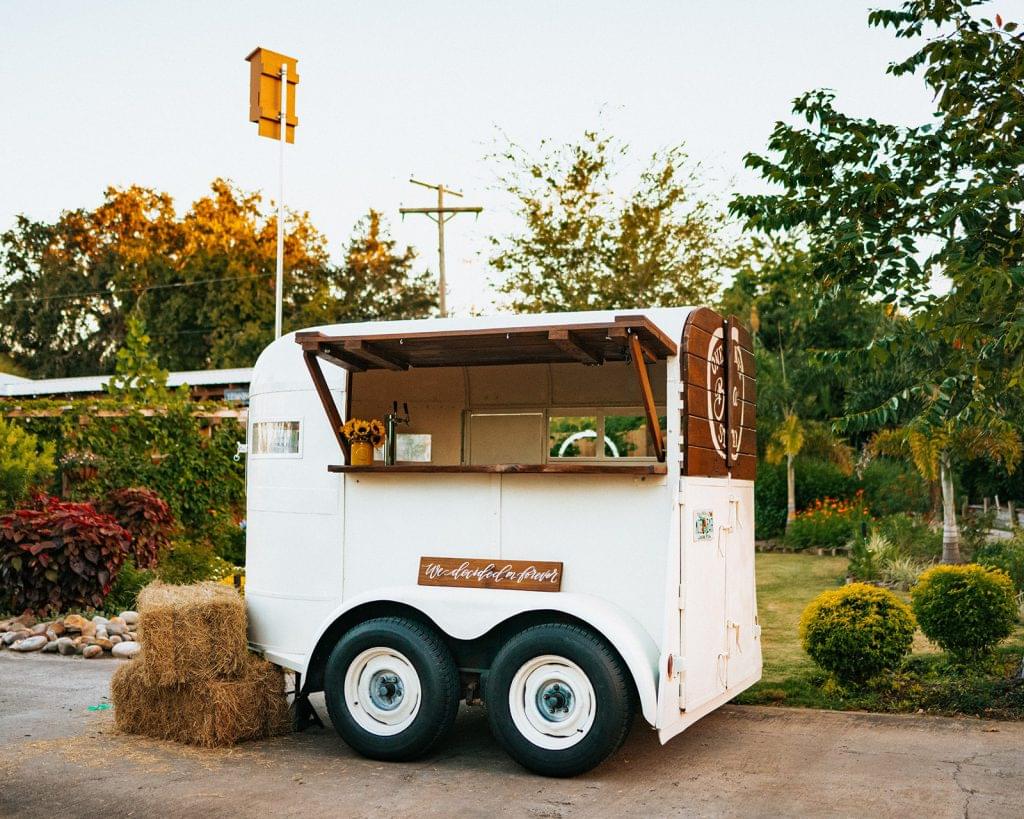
[391,422]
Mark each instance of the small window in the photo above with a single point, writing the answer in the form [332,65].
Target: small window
[572,436]
[626,436]
[280,438]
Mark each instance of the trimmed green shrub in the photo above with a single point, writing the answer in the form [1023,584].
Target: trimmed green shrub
[189,561]
[147,516]
[856,632]
[1007,555]
[965,610]
[59,556]
[24,464]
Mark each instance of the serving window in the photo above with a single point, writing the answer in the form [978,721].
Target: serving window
[576,399]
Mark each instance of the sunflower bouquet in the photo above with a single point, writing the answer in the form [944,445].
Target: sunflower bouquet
[358,431]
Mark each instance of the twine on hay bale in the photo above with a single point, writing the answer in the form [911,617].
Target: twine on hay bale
[214,713]
[191,633]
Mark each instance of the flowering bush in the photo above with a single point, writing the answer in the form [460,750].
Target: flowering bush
[827,524]
[147,516]
[59,556]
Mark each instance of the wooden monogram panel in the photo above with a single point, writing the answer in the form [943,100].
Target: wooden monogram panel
[704,372]
[719,392]
[742,412]
[475,573]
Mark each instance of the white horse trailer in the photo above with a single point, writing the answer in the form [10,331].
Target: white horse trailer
[566,533]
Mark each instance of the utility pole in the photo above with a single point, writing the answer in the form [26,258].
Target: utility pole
[440,214]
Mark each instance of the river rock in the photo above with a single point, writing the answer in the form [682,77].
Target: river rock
[133,636]
[89,629]
[74,623]
[130,618]
[57,627]
[99,619]
[102,642]
[12,637]
[50,647]
[92,651]
[101,633]
[126,650]
[66,646]
[33,643]
[39,628]
[115,639]
[120,629]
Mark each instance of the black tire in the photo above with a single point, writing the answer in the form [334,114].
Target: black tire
[612,702]
[436,675]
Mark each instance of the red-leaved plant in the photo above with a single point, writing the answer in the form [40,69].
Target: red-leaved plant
[59,556]
[147,516]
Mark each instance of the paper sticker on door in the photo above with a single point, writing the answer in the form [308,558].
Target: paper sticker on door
[703,524]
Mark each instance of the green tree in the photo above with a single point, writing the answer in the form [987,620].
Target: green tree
[580,246]
[934,453]
[886,208]
[24,463]
[203,283]
[376,280]
[138,379]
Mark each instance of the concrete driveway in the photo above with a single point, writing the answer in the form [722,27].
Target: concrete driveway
[59,759]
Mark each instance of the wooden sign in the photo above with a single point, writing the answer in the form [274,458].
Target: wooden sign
[719,394]
[476,573]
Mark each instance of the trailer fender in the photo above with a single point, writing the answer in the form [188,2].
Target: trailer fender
[466,614]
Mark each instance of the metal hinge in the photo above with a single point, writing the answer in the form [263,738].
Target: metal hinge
[680,669]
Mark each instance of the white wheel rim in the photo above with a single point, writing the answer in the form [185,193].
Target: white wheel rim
[552,702]
[382,691]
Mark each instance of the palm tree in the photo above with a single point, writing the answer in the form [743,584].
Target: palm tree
[933,451]
[791,437]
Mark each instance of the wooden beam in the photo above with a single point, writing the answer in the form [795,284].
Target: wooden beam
[372,354]
[651,334]
[624,336]
[653,425]
[340,359]
[324,393]
[569,342]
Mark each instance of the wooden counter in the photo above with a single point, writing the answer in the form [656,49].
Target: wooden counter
[505,469]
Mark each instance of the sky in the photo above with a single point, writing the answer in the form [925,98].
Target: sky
[119,93]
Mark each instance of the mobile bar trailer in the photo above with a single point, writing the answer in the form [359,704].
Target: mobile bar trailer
[566,533]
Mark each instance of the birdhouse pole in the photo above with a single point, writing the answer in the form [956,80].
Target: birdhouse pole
[279,281]
[269,78]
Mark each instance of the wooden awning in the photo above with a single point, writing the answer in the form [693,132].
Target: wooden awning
[594,344]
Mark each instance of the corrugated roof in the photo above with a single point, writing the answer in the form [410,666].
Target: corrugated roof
[96,383]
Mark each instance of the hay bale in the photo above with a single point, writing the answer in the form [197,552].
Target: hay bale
[214,713]
[191,633]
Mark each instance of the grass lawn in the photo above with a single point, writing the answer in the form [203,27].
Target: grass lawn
[786,583]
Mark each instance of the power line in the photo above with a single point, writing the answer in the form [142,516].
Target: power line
[440,214]
[108,293]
